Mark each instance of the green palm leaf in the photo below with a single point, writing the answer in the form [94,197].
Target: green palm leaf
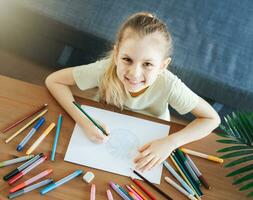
[243,179]
[226,132]
[247,124]
[247,186]
[233,148]
[230,141]
[238,132]
[237,153]
[230,127]
[241,170]
[250,194]
[223,135]
[239,161]
[244,132]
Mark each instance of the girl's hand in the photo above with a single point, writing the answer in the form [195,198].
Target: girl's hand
[96,135]
[153,154]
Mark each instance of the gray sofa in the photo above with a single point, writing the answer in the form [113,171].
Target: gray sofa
[213,40]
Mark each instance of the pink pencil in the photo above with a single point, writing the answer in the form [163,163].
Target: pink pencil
[31,180]
[109,195]
[131,190]
[93,192]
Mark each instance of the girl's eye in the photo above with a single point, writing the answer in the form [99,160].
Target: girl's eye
[148,65]
[127,60]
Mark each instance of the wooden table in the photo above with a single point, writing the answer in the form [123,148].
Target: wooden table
[18,98]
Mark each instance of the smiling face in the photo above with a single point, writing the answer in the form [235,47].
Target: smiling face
[140,59]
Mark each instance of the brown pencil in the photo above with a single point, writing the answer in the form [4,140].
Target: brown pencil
[15,123]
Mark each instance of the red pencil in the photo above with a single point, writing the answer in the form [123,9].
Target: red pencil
[15,123]
[143,189]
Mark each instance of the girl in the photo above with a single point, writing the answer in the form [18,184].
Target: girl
[135,76]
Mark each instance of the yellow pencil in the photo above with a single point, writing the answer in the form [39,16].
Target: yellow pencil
[25,126]
[202,155]
[40,139]
[184,177]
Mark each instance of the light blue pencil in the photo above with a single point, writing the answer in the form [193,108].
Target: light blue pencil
[117,190]
[56,137]
[180,180]
[30,188]
[125,192]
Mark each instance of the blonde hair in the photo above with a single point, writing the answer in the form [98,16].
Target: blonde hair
[111,89]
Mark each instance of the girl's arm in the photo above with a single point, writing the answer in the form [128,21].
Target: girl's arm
[154,153]
[207,119]
[58,84]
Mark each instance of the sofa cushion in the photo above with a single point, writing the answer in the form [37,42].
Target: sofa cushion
[213,40]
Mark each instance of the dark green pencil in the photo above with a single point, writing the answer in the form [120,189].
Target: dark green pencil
[193,183]
[92,120]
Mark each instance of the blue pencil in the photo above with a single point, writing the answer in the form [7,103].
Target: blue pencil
[30,134]
[56,137]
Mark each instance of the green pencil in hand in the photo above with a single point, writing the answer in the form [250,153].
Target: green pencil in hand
[89,117]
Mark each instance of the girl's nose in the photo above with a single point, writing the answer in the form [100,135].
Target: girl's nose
[135,71]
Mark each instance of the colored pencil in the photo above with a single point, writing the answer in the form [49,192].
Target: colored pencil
[40,139]
[89,117]
[124,191]
[93,192]
[26,170]
[118,191]
[22,167]
[15,123]
[138,192]
[109,195]
[30,188]
[15,160]
[62,181]
[179,188]
[25,126]
[30,134]
[184,176]
[135,193]
[184,170]
[57,133]
[132,195]
[149,194]
[180,180]
[31,180]
[153,186]
[202,155]
[196,170]
[187,166]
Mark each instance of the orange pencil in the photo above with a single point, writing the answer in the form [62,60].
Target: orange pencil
[138,192]
[132,195]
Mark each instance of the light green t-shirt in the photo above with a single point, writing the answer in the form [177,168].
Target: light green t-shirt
[167,89]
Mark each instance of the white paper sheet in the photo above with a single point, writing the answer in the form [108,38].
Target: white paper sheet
[127,134]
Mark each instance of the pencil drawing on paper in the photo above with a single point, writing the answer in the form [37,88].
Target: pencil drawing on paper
[123,143]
